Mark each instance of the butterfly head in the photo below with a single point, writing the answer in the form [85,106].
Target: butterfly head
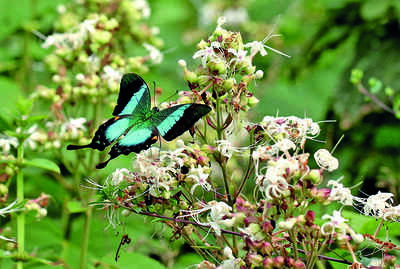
[155,109]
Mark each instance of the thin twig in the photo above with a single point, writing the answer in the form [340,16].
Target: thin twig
[375,99]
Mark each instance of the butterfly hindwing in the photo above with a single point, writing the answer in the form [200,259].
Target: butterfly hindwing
[174,121]
[106,134]
[136,140]
[134,96]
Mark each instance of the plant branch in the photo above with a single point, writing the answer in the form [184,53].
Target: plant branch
[374,99]
[20,198]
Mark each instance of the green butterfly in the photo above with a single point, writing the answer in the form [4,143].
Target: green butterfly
[135,126]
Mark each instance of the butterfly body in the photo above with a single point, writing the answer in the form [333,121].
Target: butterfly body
[135,127]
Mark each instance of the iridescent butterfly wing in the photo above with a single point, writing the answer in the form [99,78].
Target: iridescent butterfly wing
[168,123]
[133,103]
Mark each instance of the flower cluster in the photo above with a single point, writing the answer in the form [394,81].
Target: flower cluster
[274,223]
[226,70]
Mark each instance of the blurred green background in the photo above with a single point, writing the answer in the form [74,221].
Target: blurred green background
[326,39]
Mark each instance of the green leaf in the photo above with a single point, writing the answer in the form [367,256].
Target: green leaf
[9,90]
[43,163]
[4,124]
[75,207]
[24,105]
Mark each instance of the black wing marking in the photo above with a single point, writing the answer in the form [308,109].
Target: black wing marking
[134,96]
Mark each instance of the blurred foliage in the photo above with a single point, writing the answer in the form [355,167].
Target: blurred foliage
[326,40]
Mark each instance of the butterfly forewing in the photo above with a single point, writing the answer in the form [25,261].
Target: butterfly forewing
[174,121]
[134,96]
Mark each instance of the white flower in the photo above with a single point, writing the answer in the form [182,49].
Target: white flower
[72,40]
[392,213]
[336,222]
[80,77]
[119,175]
[274,187]
[240,55]
[273,183]
[293,128]
[13,207]
[155,54]
[325,160]
[218,211]
[236,16]
[73,127]
[285,144]
[215,219]
[340,193]
[221,21]
[199,175]
[207,53]
[35,137]
[6,142]
[142,6]
[337,226]
[111,76]
[61,9]
[376,204]
[225,147]
[93,63]
[259,46]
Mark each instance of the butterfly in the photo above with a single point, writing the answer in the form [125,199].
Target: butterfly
[135,127]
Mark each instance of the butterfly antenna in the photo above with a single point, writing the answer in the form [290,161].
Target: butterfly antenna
[159,149]
[154,93]
[170,97]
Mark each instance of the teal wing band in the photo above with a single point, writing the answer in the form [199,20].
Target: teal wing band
[106,134]
[134,96]
[174,121]
[135,140]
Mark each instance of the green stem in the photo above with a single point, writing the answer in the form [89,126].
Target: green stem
[226,185]
[85,238]
[20,198]
[221,161]
[249,170]
[88,213]
[294,243]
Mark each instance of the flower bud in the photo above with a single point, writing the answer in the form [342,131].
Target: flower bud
[389,261]
[252,101]
[190,76]
[259,74]
[310,217]
[266,248]
[218,67]
[182,63]
[314,176]
[3,189]
[111,24]
[299,265]
[102,37]
[228,84]
[202,45]
[255,260]
[268,263]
